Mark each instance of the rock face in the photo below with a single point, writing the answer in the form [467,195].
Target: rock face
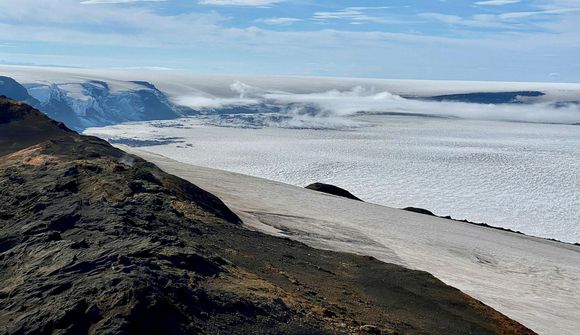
[95,241]
[331,189]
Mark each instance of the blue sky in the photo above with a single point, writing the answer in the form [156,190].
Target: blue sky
[510,40]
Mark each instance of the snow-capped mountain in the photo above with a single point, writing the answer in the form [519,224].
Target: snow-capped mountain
[94,103]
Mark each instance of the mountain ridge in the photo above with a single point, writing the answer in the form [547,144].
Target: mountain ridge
[94,102]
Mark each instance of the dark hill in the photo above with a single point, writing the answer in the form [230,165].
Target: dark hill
[22,126]
[13,90]
[331,189]
[95,241]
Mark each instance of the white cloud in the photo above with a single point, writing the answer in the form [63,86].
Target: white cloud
[279,21]
[67,21]
[96,2]
[249,3]
[314,109]
[356,15]
[508,20]
[481,20]
[520,15]
[201,41]
[497,2]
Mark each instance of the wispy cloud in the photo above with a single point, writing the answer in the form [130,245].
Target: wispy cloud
[507,20]
[355,15]
[497,2]
[279,21]
[480,20]
[520,15]
[389,41]
[249,3]
[96,2]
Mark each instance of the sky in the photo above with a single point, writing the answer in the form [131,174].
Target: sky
[503,40]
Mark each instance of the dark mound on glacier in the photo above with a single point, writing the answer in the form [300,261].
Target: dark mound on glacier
[331,189]
[95,241]
[419,210]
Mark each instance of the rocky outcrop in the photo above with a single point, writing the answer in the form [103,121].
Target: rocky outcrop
[428,212]
[419,210]
[96,241]
[331,189]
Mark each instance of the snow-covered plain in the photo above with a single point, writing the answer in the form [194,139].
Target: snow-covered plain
[381,139]
[521,176]
[531,280]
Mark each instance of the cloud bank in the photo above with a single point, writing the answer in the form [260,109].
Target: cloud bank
[336,108]
[497,2]
[250,3]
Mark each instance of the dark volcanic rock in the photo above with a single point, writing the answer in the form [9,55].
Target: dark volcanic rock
[22,126]
[419,210]
[331,189]
[95,241]
[428,212]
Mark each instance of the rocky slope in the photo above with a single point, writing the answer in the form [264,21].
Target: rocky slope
[94,241]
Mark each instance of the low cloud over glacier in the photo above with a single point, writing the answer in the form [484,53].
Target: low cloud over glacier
[320,109]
